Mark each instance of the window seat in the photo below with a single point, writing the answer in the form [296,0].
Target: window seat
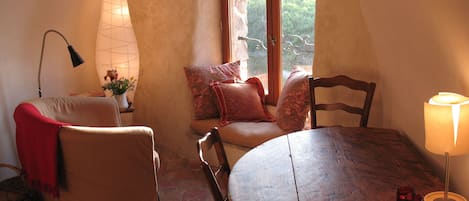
[239,137]
[244,134]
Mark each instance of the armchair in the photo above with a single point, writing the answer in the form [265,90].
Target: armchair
[96,159]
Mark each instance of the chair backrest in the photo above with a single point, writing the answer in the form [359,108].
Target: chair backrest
[217,174]
[83,111]
[341,80]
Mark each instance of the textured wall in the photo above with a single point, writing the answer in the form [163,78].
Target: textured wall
[421,48]
[412,49]
[23,24]
[343,46]
[172,34]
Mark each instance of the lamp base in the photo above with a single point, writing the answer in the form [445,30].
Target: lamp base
[439,196]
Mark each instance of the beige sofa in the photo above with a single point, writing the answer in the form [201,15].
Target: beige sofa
[101,160]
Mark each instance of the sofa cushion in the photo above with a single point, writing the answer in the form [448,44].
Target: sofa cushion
[199,77]
[293,103]
[241,101]
[245,134]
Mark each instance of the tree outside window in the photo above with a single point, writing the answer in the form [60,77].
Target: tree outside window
[250,40]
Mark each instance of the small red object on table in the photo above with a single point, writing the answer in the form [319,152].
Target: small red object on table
[406,193]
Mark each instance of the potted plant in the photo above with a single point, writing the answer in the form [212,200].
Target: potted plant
[119,87]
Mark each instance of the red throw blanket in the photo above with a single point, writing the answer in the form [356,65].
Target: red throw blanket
[37,145]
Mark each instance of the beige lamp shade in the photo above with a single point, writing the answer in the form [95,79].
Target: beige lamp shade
[447,124]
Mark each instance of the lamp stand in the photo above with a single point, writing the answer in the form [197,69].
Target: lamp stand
[74,56]
[444,195]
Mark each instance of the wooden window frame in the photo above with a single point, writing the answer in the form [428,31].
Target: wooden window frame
[274,49]
[225,30]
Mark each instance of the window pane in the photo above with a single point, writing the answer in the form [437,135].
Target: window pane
[249,27]
[257,33]
[297,35]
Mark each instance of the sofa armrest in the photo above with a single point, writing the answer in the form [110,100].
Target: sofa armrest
[111,163]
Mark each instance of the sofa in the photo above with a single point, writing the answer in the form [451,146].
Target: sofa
[89,156]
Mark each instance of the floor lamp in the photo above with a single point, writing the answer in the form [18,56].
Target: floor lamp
[116,44]
[75,57]
[446,133]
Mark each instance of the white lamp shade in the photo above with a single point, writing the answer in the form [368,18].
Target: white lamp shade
[447,124]
[116,45]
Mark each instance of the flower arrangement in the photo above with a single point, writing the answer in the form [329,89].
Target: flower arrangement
[120,86]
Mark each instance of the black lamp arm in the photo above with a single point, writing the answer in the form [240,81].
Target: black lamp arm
[76,59]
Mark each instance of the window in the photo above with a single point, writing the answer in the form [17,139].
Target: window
[270,37]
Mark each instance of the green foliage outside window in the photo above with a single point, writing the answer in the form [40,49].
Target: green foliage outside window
[297,38]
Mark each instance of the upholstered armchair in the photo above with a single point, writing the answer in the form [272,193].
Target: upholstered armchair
[73,148]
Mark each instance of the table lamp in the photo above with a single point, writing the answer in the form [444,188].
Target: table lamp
[74,56]
[446,133]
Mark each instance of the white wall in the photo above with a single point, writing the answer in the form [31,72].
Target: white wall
[23,22]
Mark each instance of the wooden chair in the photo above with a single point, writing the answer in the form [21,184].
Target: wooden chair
[341,80]
[218,177]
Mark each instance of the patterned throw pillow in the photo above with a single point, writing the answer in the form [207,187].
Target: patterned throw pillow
[293,103]
[199,77]
[241,101]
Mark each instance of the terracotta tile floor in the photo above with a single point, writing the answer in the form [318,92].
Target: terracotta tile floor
[181,180]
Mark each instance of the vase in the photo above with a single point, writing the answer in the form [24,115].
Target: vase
[122,100]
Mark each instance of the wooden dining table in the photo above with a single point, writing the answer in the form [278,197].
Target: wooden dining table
[332,164]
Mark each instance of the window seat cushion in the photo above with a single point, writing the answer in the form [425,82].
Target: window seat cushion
[245,134]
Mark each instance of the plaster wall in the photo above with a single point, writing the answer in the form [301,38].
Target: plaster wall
[421,48]
[343,46]
[23,24]
[412,49]
[172,34]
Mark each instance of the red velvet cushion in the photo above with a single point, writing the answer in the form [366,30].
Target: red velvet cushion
[199,77]
[241,101]
[293,103]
